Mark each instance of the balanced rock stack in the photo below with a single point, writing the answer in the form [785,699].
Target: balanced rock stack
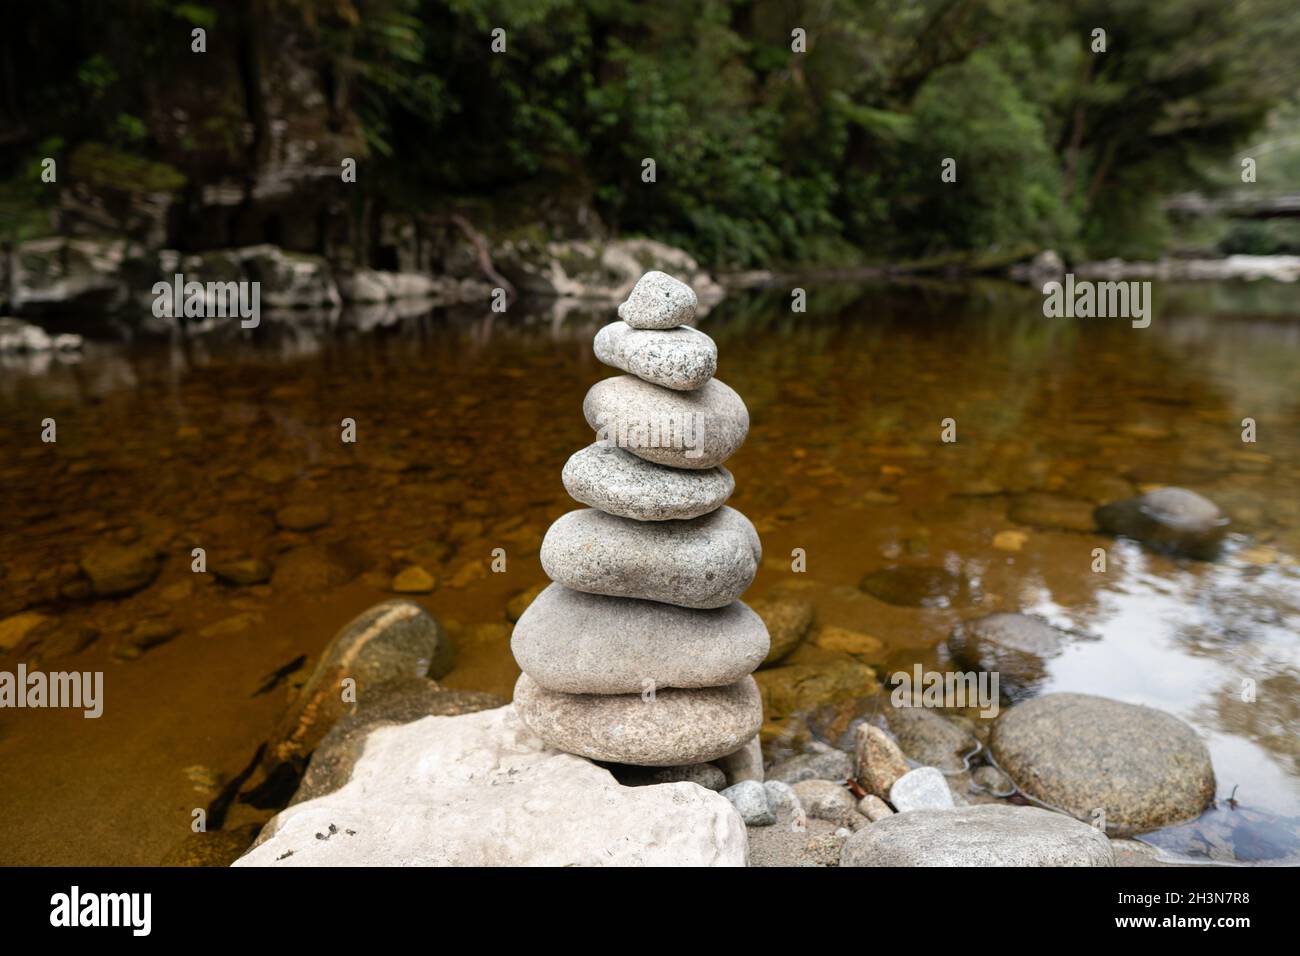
[639,652]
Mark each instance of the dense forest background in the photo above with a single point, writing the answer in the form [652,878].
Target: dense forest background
[763,155]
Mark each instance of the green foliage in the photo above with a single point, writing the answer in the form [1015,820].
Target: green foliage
[104,167]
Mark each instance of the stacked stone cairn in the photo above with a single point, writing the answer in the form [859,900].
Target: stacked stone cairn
[640,651]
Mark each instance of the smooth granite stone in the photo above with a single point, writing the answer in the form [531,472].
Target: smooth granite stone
[681,359]
[1172,520]
[1143,768]
[705,562]
[985,835]
[619,483]
[658,301]
[693,430]
[670,728]
[921,789]
[745,764]
[582,643]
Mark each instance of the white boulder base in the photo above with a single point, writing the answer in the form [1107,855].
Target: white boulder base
[705,562]
[482,790]
[620,483]
[670,728]
[658,301]
[694,430]
[582,643]
[986,835]
[681,359]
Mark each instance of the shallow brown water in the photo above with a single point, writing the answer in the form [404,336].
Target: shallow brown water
[463,425]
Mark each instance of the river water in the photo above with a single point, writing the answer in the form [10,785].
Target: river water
[463,423]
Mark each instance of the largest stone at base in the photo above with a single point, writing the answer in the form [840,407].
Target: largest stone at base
[482,790]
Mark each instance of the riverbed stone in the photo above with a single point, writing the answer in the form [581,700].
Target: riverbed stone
[788,621]
[931,739]
[743,764]
[694,430]
[115,569]
[985,835]
[797,688]
[1053,512]
[750,800]
[1143,767]
[921,789]
[583,643]
[781,798]
[828,800]
[658,301]
[873,808]
[682,359]
[917,586]
[481,789]
[819,762]
[676,726]
[878,761]
[1172,520]
[1016,647]
[705,562]
[620,483]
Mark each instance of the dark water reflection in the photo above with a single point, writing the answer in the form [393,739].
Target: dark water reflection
[464,423]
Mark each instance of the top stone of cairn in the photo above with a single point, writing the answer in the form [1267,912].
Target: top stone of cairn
[658,301]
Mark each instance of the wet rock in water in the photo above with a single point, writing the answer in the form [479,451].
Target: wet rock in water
[546,808]
[704,775]
[676,726]
[212,847]
[828,800]
[878,761]
[873,808]
[911,586]
[1172,520]
[993,780]
[115,569]
[241,572]
[921,789]
[743,764]
[750,800]
[694,430]
[619,483]
[820,762]
[516,606]
[706,562]
[400,701]
[413,580]
[931,739]
[312,568]
[1142,767]
[986,835]
[796,688]
[1014,646]
[390,641]
[681,359]
[788,621]
[833,638]
[15,628]
[1053,512]
[302,517]
[582,643]
[144,636]
[658,301]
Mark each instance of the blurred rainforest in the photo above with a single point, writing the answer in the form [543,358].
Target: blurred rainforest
[763,156]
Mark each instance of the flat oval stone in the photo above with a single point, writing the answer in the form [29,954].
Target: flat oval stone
[676,726]
[704,562]
[682,358]
[592,644]
[695,430]
[620,483]
[658,301]
[1144,768]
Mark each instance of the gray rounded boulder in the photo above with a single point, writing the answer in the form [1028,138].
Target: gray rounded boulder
[620,483]
[1016,647]
[983,835]
[670,728]
[592,644]
[705,562]
[1172,520]
[1141,767]
[697,429]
